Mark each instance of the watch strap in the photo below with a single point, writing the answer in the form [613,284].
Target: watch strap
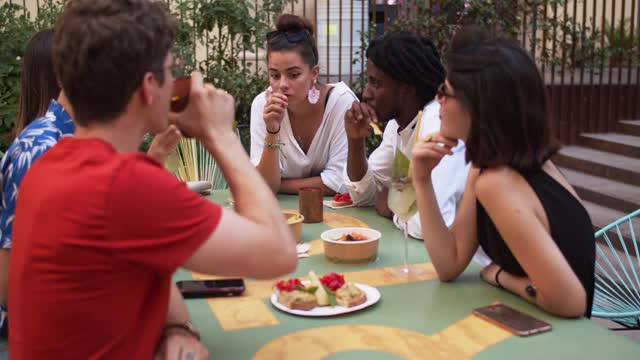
[185,325]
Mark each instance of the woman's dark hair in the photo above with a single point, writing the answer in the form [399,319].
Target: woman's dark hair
[410,59]
[499,84]
[294,33]
[38,83]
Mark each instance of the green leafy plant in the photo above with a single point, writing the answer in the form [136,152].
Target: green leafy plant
[621,44]
[226,30]
[17,26]
[441,19]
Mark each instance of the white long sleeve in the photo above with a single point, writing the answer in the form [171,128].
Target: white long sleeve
[378,175]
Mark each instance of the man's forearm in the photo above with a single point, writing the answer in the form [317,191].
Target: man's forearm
[357,160]
[382,204]
[178,312]
[269,166]
[253,198]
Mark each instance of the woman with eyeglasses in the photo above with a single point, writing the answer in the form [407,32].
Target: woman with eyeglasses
[297,131]
[516,204]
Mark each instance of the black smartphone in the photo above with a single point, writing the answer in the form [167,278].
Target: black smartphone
[512,320]
[191,289]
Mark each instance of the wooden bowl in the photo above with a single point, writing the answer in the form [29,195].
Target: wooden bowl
[350,252]
[295,223]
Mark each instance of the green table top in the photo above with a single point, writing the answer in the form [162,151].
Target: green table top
[418,319]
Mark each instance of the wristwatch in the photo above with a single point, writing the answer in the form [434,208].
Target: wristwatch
[185,325]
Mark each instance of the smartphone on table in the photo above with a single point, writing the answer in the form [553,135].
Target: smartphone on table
[192,289]
[512,320]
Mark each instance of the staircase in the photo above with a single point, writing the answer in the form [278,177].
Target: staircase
[605,171]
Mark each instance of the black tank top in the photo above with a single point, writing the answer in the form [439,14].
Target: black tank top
[570,227]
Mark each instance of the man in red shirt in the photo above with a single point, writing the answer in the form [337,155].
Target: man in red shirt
[100,228]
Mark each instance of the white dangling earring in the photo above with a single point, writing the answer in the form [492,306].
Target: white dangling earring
[314,94]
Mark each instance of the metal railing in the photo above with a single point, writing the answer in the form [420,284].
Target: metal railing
[587,50]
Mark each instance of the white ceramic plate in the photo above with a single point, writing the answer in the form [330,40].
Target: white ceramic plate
[373,296]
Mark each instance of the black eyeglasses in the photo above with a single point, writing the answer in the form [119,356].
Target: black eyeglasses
[442,92]
[294,38]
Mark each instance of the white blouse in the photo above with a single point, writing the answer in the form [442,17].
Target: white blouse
[327,154]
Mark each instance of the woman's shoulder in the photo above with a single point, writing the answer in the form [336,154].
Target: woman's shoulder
[491,181]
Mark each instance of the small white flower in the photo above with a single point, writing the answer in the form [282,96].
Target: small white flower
[18,58]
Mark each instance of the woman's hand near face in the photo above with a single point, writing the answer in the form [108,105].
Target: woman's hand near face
[427,153]
[274,109]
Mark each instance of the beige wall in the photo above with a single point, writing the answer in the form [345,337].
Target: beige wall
[619,11]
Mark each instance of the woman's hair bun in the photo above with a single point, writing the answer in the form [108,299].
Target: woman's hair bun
[293,23]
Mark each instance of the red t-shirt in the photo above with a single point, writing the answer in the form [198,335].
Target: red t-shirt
[97,237]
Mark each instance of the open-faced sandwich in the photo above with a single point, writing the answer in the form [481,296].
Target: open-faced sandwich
[328,290]
[349,296]
[294,295]
[342,200]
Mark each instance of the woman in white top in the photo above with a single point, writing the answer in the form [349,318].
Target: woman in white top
[297,126]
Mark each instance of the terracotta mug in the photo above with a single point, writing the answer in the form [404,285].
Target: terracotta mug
[310,204]
[180,95]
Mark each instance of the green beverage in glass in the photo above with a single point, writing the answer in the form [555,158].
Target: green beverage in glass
[402,201]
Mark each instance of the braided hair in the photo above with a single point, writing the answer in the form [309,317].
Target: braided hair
[410,59]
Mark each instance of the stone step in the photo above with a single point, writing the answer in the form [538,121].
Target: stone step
[622,144]
[599,163]
[630,127]
[602,216]
[604,192]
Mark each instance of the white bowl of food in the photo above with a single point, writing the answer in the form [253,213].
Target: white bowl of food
[351,245]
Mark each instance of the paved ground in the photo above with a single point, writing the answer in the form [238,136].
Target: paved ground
[630,334]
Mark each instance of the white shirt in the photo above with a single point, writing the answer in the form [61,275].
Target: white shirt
[448,177]
[327,154]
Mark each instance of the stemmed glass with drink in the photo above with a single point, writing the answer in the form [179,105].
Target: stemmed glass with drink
[402,201]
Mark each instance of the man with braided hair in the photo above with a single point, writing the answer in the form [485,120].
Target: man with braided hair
[403,75]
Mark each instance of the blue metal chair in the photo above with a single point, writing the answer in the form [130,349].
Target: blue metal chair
[617,276]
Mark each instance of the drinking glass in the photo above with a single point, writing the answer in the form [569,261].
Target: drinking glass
[402,201]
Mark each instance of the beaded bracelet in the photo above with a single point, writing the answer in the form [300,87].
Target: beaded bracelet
[276,145]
